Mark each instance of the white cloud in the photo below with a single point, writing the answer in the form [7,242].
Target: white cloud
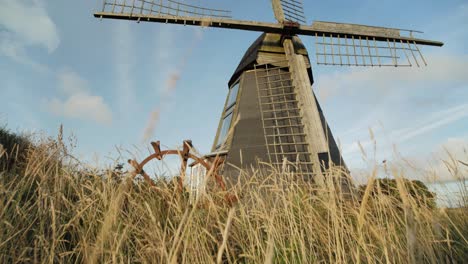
[440,69]
[29,20]
[82,106]
[78,103]
[124,61]
[447,165]
[15,50]
[23,24]
[71,83]
[442,164]
[373,87]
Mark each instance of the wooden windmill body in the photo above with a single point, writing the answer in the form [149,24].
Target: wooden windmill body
[271,113]
[267,118]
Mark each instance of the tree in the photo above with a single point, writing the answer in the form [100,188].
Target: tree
[416,189]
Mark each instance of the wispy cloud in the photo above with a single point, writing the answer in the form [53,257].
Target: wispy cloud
[441,164]
[441,69]
[446,157]
[78,102]
[388,139]
[23,24]
[435,121]
[386,94]
[124,63]
[151,125]
[451,28]
[446,65]
[165,55]
[26,24]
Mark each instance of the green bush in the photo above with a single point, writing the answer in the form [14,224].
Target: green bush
[14,147]
[415,188]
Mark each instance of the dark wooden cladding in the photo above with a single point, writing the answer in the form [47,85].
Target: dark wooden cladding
[326,29]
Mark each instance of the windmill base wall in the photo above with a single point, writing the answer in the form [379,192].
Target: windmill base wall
[248,143]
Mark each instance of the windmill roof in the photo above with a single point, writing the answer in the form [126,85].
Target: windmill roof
[267,48]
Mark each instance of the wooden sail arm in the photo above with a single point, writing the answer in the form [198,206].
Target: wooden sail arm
[278,10]
[356,31]
[346,30]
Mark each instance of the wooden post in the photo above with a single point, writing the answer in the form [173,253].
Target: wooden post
[313,128]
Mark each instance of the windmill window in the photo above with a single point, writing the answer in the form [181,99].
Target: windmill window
[224,129]
[228,113]
[232,95]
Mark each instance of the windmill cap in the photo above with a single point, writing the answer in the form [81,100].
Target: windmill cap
[268,48]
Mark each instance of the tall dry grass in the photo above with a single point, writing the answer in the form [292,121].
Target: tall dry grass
[54,211]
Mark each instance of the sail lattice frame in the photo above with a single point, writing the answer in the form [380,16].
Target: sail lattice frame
[344,50]
[161,7]
[293,11]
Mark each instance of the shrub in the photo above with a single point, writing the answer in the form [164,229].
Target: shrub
[14,147]
[416,189]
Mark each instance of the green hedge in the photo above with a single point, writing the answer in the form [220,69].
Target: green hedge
[14,146]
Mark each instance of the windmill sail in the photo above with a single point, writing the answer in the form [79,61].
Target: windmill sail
[289,10]
[293,10]
[359,45]
[336,36]
[141,8]
[278,10]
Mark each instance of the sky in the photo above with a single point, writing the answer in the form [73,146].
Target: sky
[117,85]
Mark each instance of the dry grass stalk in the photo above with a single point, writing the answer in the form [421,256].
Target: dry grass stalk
[53,211]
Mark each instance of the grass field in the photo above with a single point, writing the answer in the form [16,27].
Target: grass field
[53,210]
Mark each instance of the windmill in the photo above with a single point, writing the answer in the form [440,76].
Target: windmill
[270,101]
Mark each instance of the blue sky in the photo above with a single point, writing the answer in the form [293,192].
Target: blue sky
[105,81]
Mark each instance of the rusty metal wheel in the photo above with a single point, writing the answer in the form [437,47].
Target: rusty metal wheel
[185,154]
